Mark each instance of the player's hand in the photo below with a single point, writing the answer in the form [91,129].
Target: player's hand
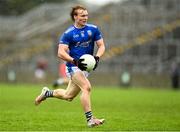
[97,62]
[79,64]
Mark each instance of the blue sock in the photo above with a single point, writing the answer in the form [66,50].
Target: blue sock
[88,115]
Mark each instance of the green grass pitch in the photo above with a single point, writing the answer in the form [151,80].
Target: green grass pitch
[124,109]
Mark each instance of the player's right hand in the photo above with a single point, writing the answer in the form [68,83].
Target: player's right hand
[97,62]
[79,64]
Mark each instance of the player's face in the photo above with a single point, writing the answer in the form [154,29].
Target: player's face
[81,18]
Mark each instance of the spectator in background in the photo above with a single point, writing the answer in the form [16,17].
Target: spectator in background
[41,67]
[125,78]
[175,75]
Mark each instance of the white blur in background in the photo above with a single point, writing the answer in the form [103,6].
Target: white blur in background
[100,2]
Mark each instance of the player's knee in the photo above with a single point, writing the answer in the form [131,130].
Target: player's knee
[87,88]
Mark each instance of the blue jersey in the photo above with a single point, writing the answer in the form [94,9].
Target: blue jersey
[80,40]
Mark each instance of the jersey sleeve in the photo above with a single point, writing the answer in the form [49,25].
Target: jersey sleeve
[64,39]
[98,35]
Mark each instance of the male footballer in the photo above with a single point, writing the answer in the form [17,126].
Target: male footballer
[77,40]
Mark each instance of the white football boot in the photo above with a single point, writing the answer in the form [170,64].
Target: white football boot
[42,96]
[95,122]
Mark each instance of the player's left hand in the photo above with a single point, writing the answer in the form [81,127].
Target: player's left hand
[97,62]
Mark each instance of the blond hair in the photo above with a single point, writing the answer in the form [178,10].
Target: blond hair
[74,10]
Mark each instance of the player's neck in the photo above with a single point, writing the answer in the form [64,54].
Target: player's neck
[78,26]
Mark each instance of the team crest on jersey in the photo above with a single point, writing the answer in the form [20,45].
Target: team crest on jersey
[89,33]
[82,34]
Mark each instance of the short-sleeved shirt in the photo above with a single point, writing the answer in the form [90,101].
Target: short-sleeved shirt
[80,40]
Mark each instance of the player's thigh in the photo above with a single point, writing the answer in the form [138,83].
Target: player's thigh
[72,89]
[81,80]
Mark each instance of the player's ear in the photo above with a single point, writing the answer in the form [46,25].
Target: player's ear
[75,17]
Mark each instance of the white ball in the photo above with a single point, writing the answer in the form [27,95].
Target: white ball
[89,60]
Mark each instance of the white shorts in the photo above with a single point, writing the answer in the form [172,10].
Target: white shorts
[71,70]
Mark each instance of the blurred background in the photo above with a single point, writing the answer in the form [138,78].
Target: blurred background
[142,40]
